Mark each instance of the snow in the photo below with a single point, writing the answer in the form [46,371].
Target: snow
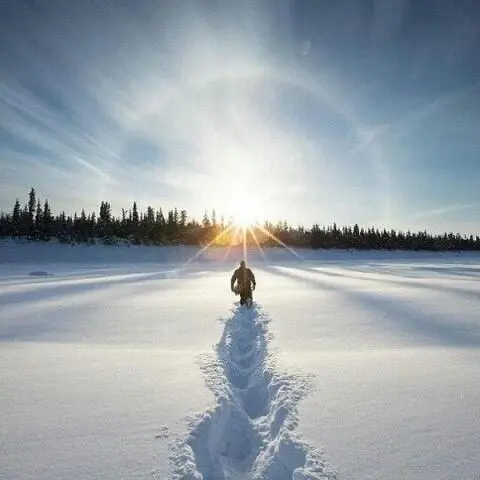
[135,363]
[249,431]
[39,273]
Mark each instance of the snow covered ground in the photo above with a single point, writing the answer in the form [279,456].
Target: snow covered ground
[130,363]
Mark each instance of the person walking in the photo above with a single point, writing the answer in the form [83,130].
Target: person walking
[243,283]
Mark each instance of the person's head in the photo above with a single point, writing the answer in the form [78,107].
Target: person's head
[242,264]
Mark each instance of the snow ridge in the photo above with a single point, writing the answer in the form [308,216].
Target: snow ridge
[249,433]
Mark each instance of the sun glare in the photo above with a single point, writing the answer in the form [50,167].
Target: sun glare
[243,219]
[244,213]
[245,210]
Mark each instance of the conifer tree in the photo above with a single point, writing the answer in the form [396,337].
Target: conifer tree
[183,219]
[135,215]
[31,211]
[16,215]
[205,220]
[38,218]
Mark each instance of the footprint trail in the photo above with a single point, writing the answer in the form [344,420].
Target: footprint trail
[250,431]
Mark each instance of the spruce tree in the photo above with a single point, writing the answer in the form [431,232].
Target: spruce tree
[205,220]
[38,218]
[16,215]
[135,215]
[183,219]
[47,221]
[31,211]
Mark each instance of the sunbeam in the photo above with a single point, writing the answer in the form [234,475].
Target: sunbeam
[245,249]
[273,237]
[235,233]
[252,231]
[206,247]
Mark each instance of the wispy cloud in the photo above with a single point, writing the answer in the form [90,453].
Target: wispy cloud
[400,127]
[29,120]
[178,104]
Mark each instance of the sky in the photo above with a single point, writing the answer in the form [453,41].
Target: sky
[309,111]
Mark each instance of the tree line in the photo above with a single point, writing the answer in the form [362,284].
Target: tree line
[36,221]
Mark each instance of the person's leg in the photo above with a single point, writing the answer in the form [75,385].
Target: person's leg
[243,299]
[247,296]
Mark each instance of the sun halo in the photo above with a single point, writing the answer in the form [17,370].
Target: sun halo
[242,204]
[244,213]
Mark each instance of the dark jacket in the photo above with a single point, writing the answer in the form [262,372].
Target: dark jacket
[244,277]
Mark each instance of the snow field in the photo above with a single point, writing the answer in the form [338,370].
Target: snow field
[115,365]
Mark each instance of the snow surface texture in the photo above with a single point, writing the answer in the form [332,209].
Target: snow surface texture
[107,369]
[249,432]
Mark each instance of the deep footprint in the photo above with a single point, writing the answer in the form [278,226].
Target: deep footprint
[248,434]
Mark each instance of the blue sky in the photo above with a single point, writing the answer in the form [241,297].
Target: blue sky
[311,111]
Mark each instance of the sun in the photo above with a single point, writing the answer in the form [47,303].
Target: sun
[244,220]
[242,202]
[244,213]
[243,206]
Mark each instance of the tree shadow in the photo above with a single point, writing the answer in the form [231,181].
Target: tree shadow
[44,304]
[405,282]
[400,315]
[56,286]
